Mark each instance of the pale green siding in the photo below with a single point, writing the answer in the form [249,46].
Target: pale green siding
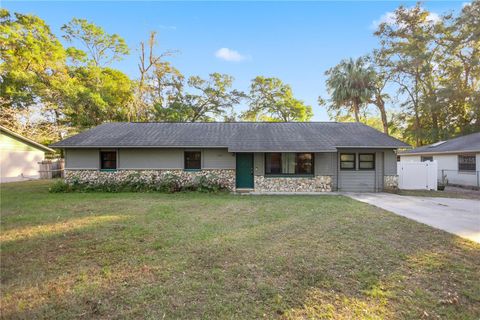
[8,142]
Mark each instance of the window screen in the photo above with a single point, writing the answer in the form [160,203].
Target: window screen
[108,160]
[193,160]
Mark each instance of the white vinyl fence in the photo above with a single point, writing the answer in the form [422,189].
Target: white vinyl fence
[417,175]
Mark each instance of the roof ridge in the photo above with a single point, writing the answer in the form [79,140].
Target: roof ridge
[227,122]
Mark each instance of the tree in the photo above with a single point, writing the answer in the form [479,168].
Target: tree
[159,82]
[102,48]
[459,77]
[272,100]
[101,95]
[33,75]
[207,100]
[409,48]
[380,79]
[350,85]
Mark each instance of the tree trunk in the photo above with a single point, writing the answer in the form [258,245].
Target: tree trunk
[383,113]
[356,110]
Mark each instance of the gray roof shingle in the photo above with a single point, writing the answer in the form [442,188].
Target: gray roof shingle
[236,136]
[468,143]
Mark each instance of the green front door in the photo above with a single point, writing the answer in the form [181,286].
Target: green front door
[244,170]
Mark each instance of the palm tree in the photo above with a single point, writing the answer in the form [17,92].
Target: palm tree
[350,85]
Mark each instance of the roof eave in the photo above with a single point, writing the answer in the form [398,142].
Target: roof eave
[27,140]
[413,153]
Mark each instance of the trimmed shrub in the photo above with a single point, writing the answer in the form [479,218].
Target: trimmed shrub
[135,182]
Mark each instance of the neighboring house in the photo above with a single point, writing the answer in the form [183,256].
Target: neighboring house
[458,159]
[300,157]
[19,156]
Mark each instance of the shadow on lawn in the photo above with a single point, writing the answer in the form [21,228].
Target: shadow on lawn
[321,263]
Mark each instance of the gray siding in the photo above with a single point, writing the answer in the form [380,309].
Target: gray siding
[326,165]
[356,181]
[379,168]
[173,159]
[218,159]
[150,159]
[259,163]
[390,162]
[82,159]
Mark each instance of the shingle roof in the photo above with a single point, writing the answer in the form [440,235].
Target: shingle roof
[236,136]
[468,143]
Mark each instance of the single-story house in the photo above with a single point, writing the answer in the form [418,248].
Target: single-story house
[19,156]
[458,159]
[264,157]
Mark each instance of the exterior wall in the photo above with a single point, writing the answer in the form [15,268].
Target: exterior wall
[143,159]
[326,177]
[369,181]
[218,159]
[150,159]
[18,160]
[326,165]
[322,181]
[449,164]
[82,159]
[356,181]
[259,164]
[390,162]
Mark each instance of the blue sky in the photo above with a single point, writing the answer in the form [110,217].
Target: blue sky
[295,41]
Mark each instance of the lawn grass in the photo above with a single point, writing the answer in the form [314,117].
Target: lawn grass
[209,256]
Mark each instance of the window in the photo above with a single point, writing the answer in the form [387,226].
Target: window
[423,159]
[366,161]
[108,160]
[467,162]
[347,161]
[193,160]
[288,163]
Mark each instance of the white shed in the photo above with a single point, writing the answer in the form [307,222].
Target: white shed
[458,159]
[19,156]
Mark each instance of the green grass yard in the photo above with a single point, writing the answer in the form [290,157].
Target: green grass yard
[208,256]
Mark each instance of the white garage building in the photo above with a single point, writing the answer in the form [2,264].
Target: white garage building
[19,156]
[458,159]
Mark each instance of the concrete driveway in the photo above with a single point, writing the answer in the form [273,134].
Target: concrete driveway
[457,216]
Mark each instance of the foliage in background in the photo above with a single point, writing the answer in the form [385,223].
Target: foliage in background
[434,66]
[48,91]
[272,100]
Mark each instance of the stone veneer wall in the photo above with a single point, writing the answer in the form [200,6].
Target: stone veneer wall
[390,182]
[293,184]
[224,176]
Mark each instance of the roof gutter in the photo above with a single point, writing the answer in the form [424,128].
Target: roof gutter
[437,152]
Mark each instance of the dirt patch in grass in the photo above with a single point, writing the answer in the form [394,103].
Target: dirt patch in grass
[209,256]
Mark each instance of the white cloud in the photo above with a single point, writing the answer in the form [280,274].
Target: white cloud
[389,18]
[466,4]
[229,55]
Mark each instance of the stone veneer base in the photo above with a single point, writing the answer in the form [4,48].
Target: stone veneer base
[225,176]
[293,184]
[390,182]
